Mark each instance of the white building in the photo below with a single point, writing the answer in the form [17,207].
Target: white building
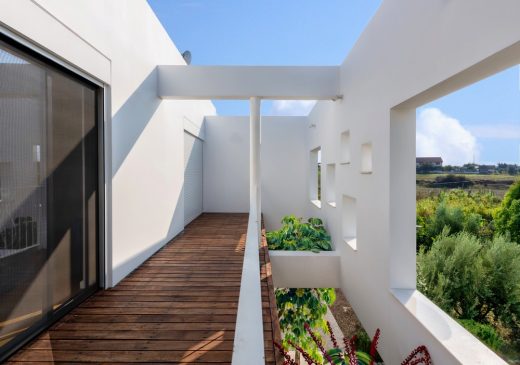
[127,111]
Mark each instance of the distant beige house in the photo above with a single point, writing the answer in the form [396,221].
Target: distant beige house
[430,161]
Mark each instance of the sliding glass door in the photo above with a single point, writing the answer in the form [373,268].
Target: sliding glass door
[48,193]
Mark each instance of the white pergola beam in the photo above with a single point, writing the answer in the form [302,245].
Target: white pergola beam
[243,82]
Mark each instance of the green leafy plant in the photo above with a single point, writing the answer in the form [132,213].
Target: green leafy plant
[348,353]
[296,235]
[364,343]
[298,307]
[507,217]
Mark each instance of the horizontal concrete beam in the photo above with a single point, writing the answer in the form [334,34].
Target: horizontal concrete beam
[303,269]
[243,82]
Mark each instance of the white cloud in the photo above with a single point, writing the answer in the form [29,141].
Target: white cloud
[292,107]
[441,135]
[496,131]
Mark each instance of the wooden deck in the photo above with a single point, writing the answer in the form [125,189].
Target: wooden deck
[178,307]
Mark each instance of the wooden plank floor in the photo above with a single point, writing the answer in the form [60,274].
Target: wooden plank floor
[178,307]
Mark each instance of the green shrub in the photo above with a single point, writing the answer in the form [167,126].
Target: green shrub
[296,235]
[447,216]
[485,332]
[507,217]
[474,280]
[500,294]
[459,211]
[451,273]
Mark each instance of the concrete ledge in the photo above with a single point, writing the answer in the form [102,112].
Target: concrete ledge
[248,345]
[305,269]
[461,344]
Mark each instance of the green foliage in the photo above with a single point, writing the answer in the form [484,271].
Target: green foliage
[447,216]
[451,272]
[507,218]
[339,357]
[457,210]
[469,266]
[296,235]
[299,306]
[485,332]
[348,352]
[471,279]
[363,343]
[501,262]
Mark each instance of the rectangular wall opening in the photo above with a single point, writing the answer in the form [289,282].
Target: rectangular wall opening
[366,158]
[330,190]
[345,148]
[315,177]
[349,221]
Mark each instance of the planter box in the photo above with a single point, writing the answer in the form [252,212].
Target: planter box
[305,269]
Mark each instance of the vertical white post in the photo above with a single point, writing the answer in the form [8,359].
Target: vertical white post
[254,161]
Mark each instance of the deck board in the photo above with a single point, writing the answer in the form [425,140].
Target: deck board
[178,307]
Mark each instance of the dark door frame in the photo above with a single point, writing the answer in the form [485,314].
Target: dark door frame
[40,56]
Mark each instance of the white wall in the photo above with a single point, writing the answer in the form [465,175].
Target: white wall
[304,269]
[283,166]
[120,43]
[410,47]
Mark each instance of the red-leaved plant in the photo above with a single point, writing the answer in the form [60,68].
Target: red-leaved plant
[349,355]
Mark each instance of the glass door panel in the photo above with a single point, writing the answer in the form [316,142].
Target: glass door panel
[48,193]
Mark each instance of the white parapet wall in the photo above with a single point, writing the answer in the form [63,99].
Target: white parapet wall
[303,269]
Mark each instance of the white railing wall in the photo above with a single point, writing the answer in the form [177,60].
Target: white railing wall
[248,347]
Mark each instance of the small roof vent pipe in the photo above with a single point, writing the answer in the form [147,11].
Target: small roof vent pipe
[187,57]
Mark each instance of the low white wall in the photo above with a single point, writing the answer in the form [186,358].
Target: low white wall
[120,43]
[283,166]
[409,48]
[300,269]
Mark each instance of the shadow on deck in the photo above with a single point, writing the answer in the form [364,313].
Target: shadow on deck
[180,306]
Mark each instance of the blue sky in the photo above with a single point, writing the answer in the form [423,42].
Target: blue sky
[313,32]
[481,120]
[264,32]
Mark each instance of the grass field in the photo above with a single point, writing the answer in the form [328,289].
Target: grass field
[496,184]
[472,177]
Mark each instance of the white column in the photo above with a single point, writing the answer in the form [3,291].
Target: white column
[254,161]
